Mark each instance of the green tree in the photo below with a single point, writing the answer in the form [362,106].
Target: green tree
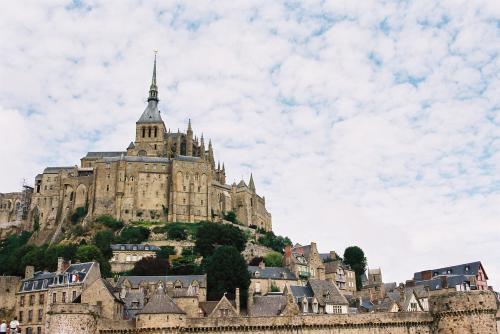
[355,257]
[12,249]
[134,234]
[103,241]
[273,259]
[165,252]
[88,253]
[176,232]
[185,265]
[211,235]
[226,270]
[275,242]
[67,252]
[150,266]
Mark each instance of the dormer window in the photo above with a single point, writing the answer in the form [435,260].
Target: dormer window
[122,247]
[134,247]
[146,248]
[448,271]
[467,268]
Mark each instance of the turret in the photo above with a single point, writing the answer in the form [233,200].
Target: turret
[202,148]
[211,154]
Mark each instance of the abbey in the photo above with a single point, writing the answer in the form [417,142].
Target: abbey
[162,175]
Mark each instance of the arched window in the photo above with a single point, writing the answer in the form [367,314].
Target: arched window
[149,132]
[143,132]
[71,197]
[156,131]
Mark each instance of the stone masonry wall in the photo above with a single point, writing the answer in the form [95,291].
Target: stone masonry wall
[8,288]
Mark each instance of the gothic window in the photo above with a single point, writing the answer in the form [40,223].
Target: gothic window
[71,197]
[141,153]
[143,132]
[156,132]
[149,132]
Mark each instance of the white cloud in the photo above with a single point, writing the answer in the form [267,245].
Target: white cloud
[371,123]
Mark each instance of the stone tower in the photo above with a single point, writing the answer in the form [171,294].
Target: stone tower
[150,129]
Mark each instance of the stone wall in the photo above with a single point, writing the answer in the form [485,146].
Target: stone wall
[8,287]
[72,318]
[461,312]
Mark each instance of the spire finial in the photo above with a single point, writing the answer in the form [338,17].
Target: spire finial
[153,89]
[189,125]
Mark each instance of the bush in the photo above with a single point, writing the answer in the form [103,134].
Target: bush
[103,241]
[273,259]
[78,230]
[110,222]
[165,252]
[150,266]
[160,229]
[176,232]
[277,243]
[231,216]
[134,235]
[210,235]
[88,253]
[79,213]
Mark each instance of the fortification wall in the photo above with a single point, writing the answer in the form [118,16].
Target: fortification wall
[8,288]
[457,313]
[464,313]
[72,318]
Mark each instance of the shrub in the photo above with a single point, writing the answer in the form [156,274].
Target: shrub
[109,222]
[134,235]
[273,259]
[78,215]
[210,235]
[231,216]
[176,232]
[277,243]
[150,266]
[165,252]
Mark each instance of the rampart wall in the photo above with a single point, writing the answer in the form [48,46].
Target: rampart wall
[458,313]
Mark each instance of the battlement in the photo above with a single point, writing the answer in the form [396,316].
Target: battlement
[463,302]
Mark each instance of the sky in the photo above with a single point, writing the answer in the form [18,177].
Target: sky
[369,123]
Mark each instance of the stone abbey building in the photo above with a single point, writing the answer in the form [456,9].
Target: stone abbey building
[162,175]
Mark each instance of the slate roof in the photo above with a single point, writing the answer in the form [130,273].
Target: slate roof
[326,292]
[473,268]
[267,306]
[209,306]
[187,158]
[136,159]
[75,273]
[100,155]
[299,291]
[185,279]
[138,247]
[276,273]
[55,170]
[151,114]
[161,303]
[442,282]
[111,290]
[131,145]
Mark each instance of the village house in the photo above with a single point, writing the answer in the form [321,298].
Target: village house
[270,279]
[342,275]
[39,290]
[304,262]
[319,296]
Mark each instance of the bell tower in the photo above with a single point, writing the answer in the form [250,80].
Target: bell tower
[150,129]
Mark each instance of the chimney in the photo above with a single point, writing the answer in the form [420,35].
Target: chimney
[250,300]
[262,265]
[29,272]
[237,300]
[60,265]
[288,255]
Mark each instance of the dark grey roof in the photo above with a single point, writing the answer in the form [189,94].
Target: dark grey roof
[75,273]
[461,269]
[137,159]
[299,291]
[138,247]
[151,114]
[100,155]
[187,158]
[242,184]
[55,170]
[267,306]
[111,290]
[327,292]
[186,280]
[324,256]
[161,303]
[131,145]
[271,272]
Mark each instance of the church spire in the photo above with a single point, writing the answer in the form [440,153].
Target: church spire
[153,89]
[251,184]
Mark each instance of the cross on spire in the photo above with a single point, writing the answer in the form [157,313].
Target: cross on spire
[153,89]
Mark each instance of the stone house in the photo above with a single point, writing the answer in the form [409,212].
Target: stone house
[320,297]
[222,308]
[462,277]
[126,255]
[342,275]
[101,293]
[304,262]
[186,291]
[39,290]
[160,311]
[273,304]
[264,279]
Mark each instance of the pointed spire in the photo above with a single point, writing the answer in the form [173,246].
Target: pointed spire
[251,184]
[223,168]
[153,89]
[218,165]
[189,126]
